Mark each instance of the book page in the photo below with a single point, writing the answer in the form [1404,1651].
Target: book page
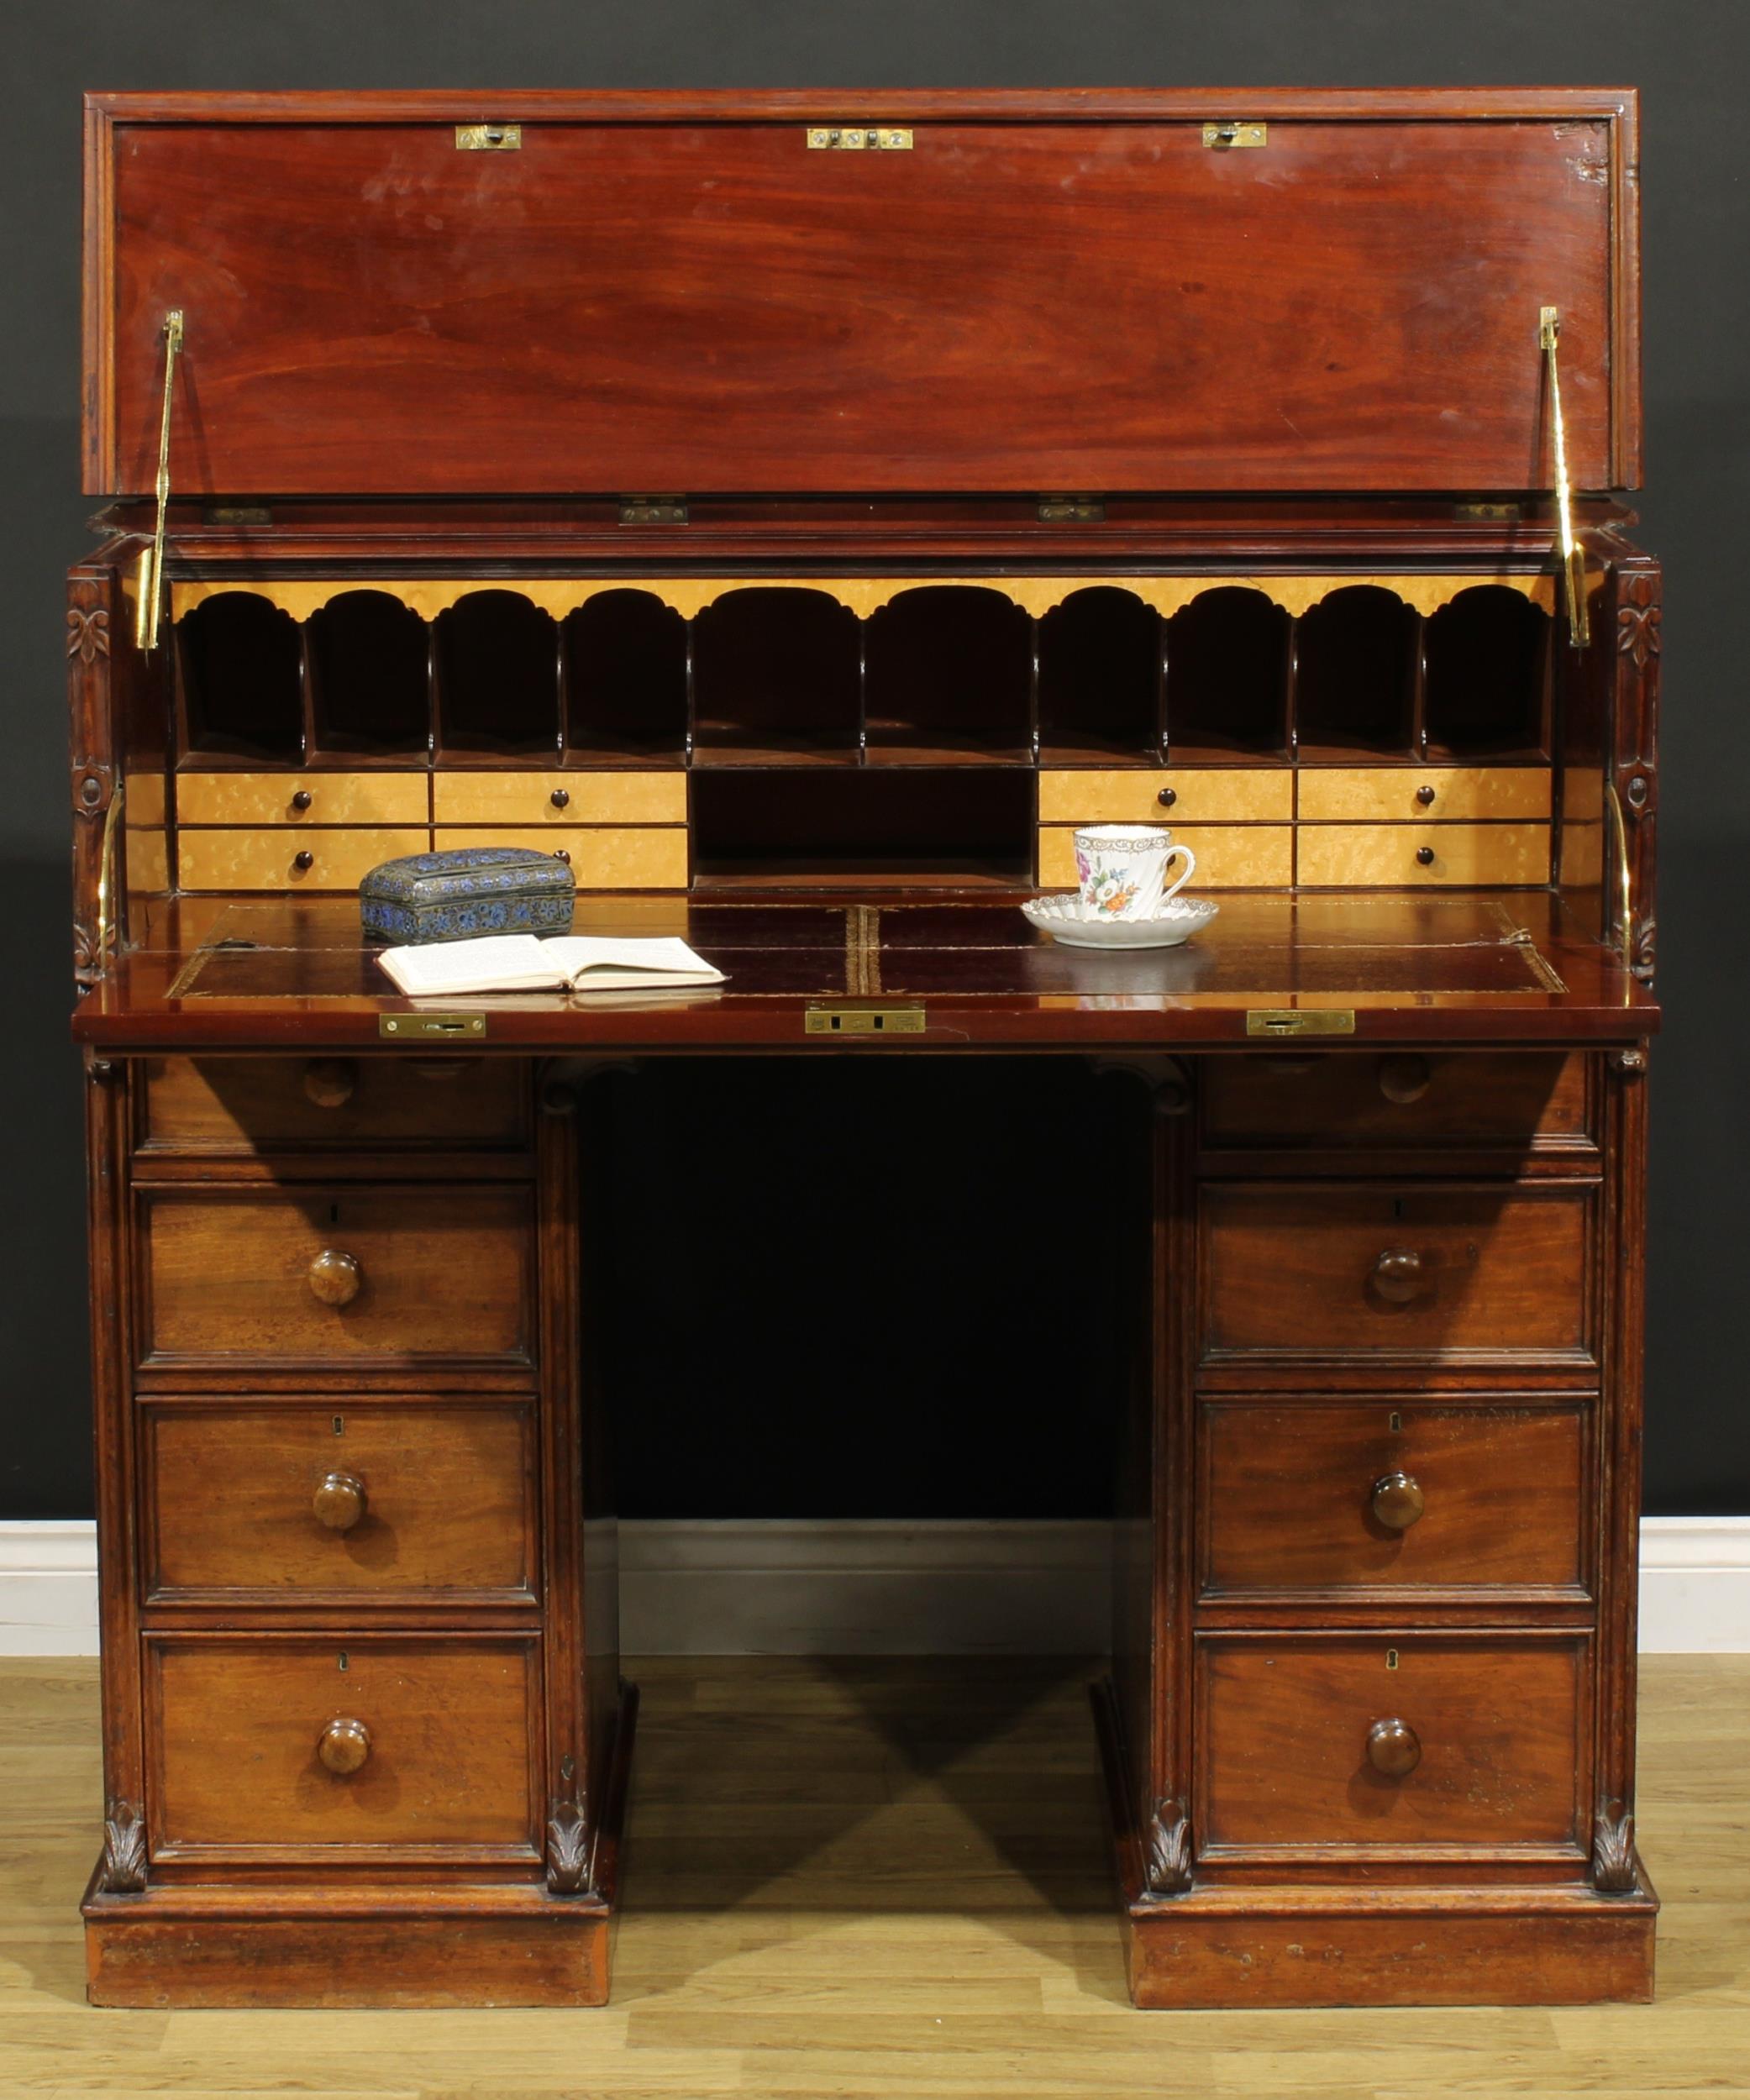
[576,956]
[497,961]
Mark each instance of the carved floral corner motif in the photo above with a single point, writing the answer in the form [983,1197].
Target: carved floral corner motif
[124,1869]
[1638,631]
[567,1849]
[87,634]
[1613,1853]
[1167,1871]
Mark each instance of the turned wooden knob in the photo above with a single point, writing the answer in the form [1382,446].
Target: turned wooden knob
[1404,1079]
[559,854]
[343,1745]
[1167,797]
[561,798]
[340,1501]
[329,1081]
[1396,1497]
[1425,796]
[1393,1748]
[1398,1274]
[335,1278]
[303,862]
[300,800]
[1425,856]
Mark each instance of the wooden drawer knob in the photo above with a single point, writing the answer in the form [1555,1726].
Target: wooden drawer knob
[1425,796]
[1399,1276]
[561,798]
[1425,856]
[329,1081]
[302,862]
[335,1278]
[300,800]
[343,1745]
[1393,1748]
[1404,1079]
[1397,1500]
[1167,797]
[340,1501]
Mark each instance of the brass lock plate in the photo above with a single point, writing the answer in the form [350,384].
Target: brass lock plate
[1294,1020]
[431,1028]
[865,1021]
[489,138]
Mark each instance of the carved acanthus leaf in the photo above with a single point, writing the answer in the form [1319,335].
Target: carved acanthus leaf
[1168,1870]
[124,1871]
[567,1849]
[1613,1853]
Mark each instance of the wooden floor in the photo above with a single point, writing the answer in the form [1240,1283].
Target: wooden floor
[880,1877]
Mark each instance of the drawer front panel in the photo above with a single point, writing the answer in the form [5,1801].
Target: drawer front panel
[1389,1494]
[250,1105]
[435,1274]
[269,859]
[236,1726]
[1497,1729]
[1229,856]
[1428,1274]
[599,859]
[1354,1099]
[1212,794]
[1369,856]
[492,797]
[343,1498]
[302,798]
[1411,794]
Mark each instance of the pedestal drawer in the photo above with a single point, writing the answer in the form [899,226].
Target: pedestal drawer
[1431,1744]
[284,1746]
[1447,1275]
[1397,1099]
[344,1500]
[247,1104]
[337,1276]
[1298,1495]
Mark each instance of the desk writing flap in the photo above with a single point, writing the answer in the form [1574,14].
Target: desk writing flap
[637,294]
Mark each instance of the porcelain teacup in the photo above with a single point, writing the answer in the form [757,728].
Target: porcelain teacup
[1123,869]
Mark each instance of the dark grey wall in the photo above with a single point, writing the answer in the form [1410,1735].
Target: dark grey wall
[1689,57]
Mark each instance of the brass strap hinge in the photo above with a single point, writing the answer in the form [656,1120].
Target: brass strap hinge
[1574,566]
[1071,510]
[858,138]
[146,612]
[653,509]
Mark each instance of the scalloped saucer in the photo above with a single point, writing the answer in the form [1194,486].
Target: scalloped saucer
[1077,925]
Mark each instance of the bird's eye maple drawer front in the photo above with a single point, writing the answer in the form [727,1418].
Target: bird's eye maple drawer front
[1429,1744]
[1454,1274]
[1534,1102]
[1300,1495]
[338,1499]
[337,1276]
[292,1744]
[247,1104]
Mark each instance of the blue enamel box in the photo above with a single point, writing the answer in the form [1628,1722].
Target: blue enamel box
[473,889]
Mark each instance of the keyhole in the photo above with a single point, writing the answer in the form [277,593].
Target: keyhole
[340,1426]
[343,1663]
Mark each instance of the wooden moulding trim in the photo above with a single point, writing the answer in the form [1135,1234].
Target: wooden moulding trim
[688,596]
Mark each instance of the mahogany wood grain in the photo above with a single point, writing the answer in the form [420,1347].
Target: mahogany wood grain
[230,1487]
[1284,1725]
[227,1277]
[261,1105]
[1522,1101]
[234,1723]
[1287,1498]
[349,286]
[1443,1276]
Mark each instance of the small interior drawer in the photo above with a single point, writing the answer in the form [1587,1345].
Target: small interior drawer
[1408,795]
[1194,794]
[1412,1743]
[302,797]
[1363,1100]
[439,1733]
[487,795]
[287,859]
[343,1500]
[1229,856]
[244,1276]
[1406,856]
[253,1105]
[1440,1275]
[1302,1495]
[599,858]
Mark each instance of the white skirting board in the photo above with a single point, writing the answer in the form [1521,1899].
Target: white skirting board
[809,1588]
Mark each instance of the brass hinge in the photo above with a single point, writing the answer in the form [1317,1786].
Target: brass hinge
[653,509]
[1225,137]
[858,138]
[1071,510]
[865,1021]
[1487,513]
[489,138]
[1294,1020]
[424,1027]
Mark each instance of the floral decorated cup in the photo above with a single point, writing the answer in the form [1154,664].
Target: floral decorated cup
[1123,869]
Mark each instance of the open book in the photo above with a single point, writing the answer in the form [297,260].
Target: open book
[521,963]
